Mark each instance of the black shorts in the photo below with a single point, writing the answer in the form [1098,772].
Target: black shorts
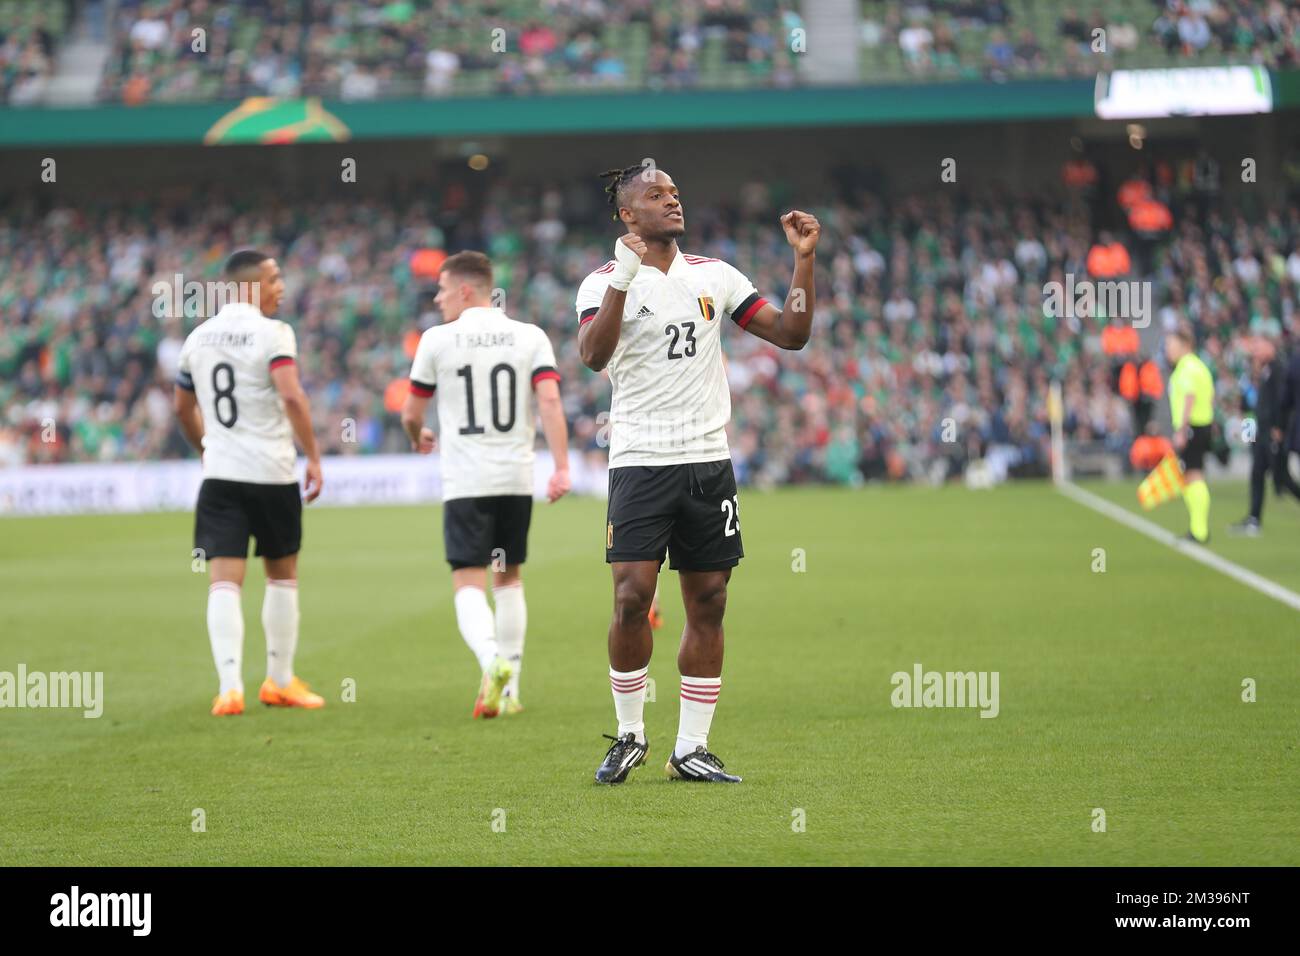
[229,511]
[1197,447]
[688,510]
[491,530]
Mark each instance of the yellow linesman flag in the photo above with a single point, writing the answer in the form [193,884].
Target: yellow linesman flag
[1164,483]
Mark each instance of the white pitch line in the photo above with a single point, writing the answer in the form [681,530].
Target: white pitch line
[1194,551]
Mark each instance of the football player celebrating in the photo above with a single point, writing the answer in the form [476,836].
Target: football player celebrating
[652,316]
[479,356]
[240,403]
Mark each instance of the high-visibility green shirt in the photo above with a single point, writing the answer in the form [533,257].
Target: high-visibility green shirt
[1191,377]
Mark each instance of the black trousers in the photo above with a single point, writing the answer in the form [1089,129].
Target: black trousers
[1267,456]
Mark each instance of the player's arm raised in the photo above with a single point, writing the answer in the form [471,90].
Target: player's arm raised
[598,337]
[791,327]
[296,406]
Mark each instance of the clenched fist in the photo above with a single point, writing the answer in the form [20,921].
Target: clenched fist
[801,231]
[627,260]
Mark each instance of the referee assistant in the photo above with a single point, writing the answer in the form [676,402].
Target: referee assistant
[1191,405]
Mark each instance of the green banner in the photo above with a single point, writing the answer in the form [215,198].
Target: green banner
[265,120]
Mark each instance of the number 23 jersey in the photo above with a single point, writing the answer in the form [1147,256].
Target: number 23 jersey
[227,363]
[484,366]
[670,402]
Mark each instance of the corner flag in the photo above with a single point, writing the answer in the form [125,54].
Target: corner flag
[1164,482]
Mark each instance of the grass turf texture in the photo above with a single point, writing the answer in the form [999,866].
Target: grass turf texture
[1119,690]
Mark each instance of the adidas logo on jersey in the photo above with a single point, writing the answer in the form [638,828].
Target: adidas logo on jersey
[644,313]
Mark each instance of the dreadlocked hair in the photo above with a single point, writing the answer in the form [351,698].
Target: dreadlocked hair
[618,178]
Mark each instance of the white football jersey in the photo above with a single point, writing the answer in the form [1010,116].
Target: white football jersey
[227,363]
[670,401]
[484,366]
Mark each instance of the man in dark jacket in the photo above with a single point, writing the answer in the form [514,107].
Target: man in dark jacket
[1277,390]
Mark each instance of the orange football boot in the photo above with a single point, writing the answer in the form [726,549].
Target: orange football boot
[296,694]
[228,704]
[495,678]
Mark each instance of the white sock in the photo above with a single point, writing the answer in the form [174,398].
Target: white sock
[699,699]
[512,622]
[476,625]
[226,633]
[629,700]
[280,622]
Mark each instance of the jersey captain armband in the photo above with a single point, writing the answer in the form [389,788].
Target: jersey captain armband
[544,372]
[745,312]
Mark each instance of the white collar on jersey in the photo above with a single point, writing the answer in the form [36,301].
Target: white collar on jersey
[237,309]
[478,311]
[678,260]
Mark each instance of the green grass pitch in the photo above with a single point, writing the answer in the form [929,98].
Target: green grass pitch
[1119,690]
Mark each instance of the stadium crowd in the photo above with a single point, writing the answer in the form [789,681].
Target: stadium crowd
[29,37]
[368,49]
[168,50]
[930,314]
[997,39]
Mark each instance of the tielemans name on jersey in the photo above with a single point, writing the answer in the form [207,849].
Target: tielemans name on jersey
[234,340]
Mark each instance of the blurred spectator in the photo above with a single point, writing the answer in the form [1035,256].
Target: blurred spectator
[929,307]
[365,49]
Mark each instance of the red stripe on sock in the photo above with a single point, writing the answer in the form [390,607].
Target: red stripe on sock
[699,700]
[632,686]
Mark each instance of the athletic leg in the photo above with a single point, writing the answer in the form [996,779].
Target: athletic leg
[226,621]
[280,617]
[511,623]
[699,657]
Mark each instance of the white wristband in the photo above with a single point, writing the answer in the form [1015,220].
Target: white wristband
[626,264]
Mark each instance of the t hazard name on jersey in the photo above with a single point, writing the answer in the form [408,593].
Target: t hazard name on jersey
[670,400]
[484,367]
[227,363]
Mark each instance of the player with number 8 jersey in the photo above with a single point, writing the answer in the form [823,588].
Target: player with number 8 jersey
[240,403]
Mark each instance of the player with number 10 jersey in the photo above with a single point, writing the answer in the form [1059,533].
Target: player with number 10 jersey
[485,368]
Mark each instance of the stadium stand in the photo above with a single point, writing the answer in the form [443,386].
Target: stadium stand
[359,50]
[368,49]
[929,308]
[1001,39]
[30,32]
